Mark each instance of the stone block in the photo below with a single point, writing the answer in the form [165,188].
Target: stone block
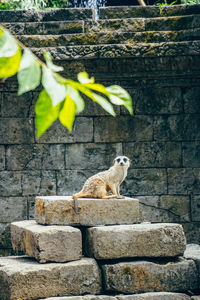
[165,101]
[22,277]
[193,252]
[38,183]
[86,297]
[177,127]
[16,131]
[5,241]
[191,154]
[155,296]
[154,154]
[91,156]
[145,182]
[47,243]
[35,157]
[145,276]
[2,157]
[166,208]
[59,210]
[10,183]
[124,129]
[195,208]
[13,209]
[191,100]
[16,106]
[192,232]
[184,181]
[57,133]
[138,240]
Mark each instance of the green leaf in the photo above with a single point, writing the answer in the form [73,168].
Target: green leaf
[9,66]
[105,104]
[119,96]
[29,73]
[68,112]
[56,90]
[76,97]
[97,87]
[8,45]
[46,113]
[50,64]
[83,77]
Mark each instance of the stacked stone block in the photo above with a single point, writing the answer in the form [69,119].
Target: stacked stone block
[93,260]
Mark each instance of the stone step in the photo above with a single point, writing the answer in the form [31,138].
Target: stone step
[104,26]
[42,28]
[145,296]
[138,240]
[59,210]
[146,276]
[47,243]
[22,277]
[44,41]
[60,14]
[121,50]
[144,24]
[122,12]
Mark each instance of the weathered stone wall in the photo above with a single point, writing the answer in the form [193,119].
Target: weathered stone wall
[162,138]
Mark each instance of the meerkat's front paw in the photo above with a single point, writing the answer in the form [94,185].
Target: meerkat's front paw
[120,197]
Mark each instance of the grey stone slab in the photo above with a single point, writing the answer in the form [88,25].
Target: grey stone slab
[16,131]
[10,183]
[123,129]
[192,232]
[156,296]
[183,181]
[2,157]
[193,252]
[154,154]
[191,154]
[47,243]
[86,297]
[177,127]
[68,14]
[60,210]
[144,276]
[22,277]
[13,209]
[195,208]
[138,240]
[147,181]
[16,106]
[35,157]
[5,241]
[165,208]
[91,156]
[57,133]
[191,100]
[38,183]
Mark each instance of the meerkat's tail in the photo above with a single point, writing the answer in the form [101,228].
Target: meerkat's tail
[75,203]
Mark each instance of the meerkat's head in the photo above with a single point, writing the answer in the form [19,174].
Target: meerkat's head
[122,161]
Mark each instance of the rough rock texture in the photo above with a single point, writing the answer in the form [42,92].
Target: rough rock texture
[60,210]
[156,296]
[47,243]
[193,252]
[147,296]
[145,276]
[21,277]
[139,240]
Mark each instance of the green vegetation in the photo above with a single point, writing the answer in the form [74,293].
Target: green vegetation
[61,98]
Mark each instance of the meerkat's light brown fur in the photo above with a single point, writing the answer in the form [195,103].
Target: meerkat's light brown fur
[106,184]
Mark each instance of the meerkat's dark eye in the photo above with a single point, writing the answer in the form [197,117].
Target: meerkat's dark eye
[118,160]
[125,159]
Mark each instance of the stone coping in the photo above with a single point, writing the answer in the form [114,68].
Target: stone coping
[59,210]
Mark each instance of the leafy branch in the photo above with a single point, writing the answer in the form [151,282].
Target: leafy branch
[61,98]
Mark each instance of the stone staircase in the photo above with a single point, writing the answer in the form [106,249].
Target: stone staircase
[119,31]
[77,257]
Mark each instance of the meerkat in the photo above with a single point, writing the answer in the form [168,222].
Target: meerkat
[106,184]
